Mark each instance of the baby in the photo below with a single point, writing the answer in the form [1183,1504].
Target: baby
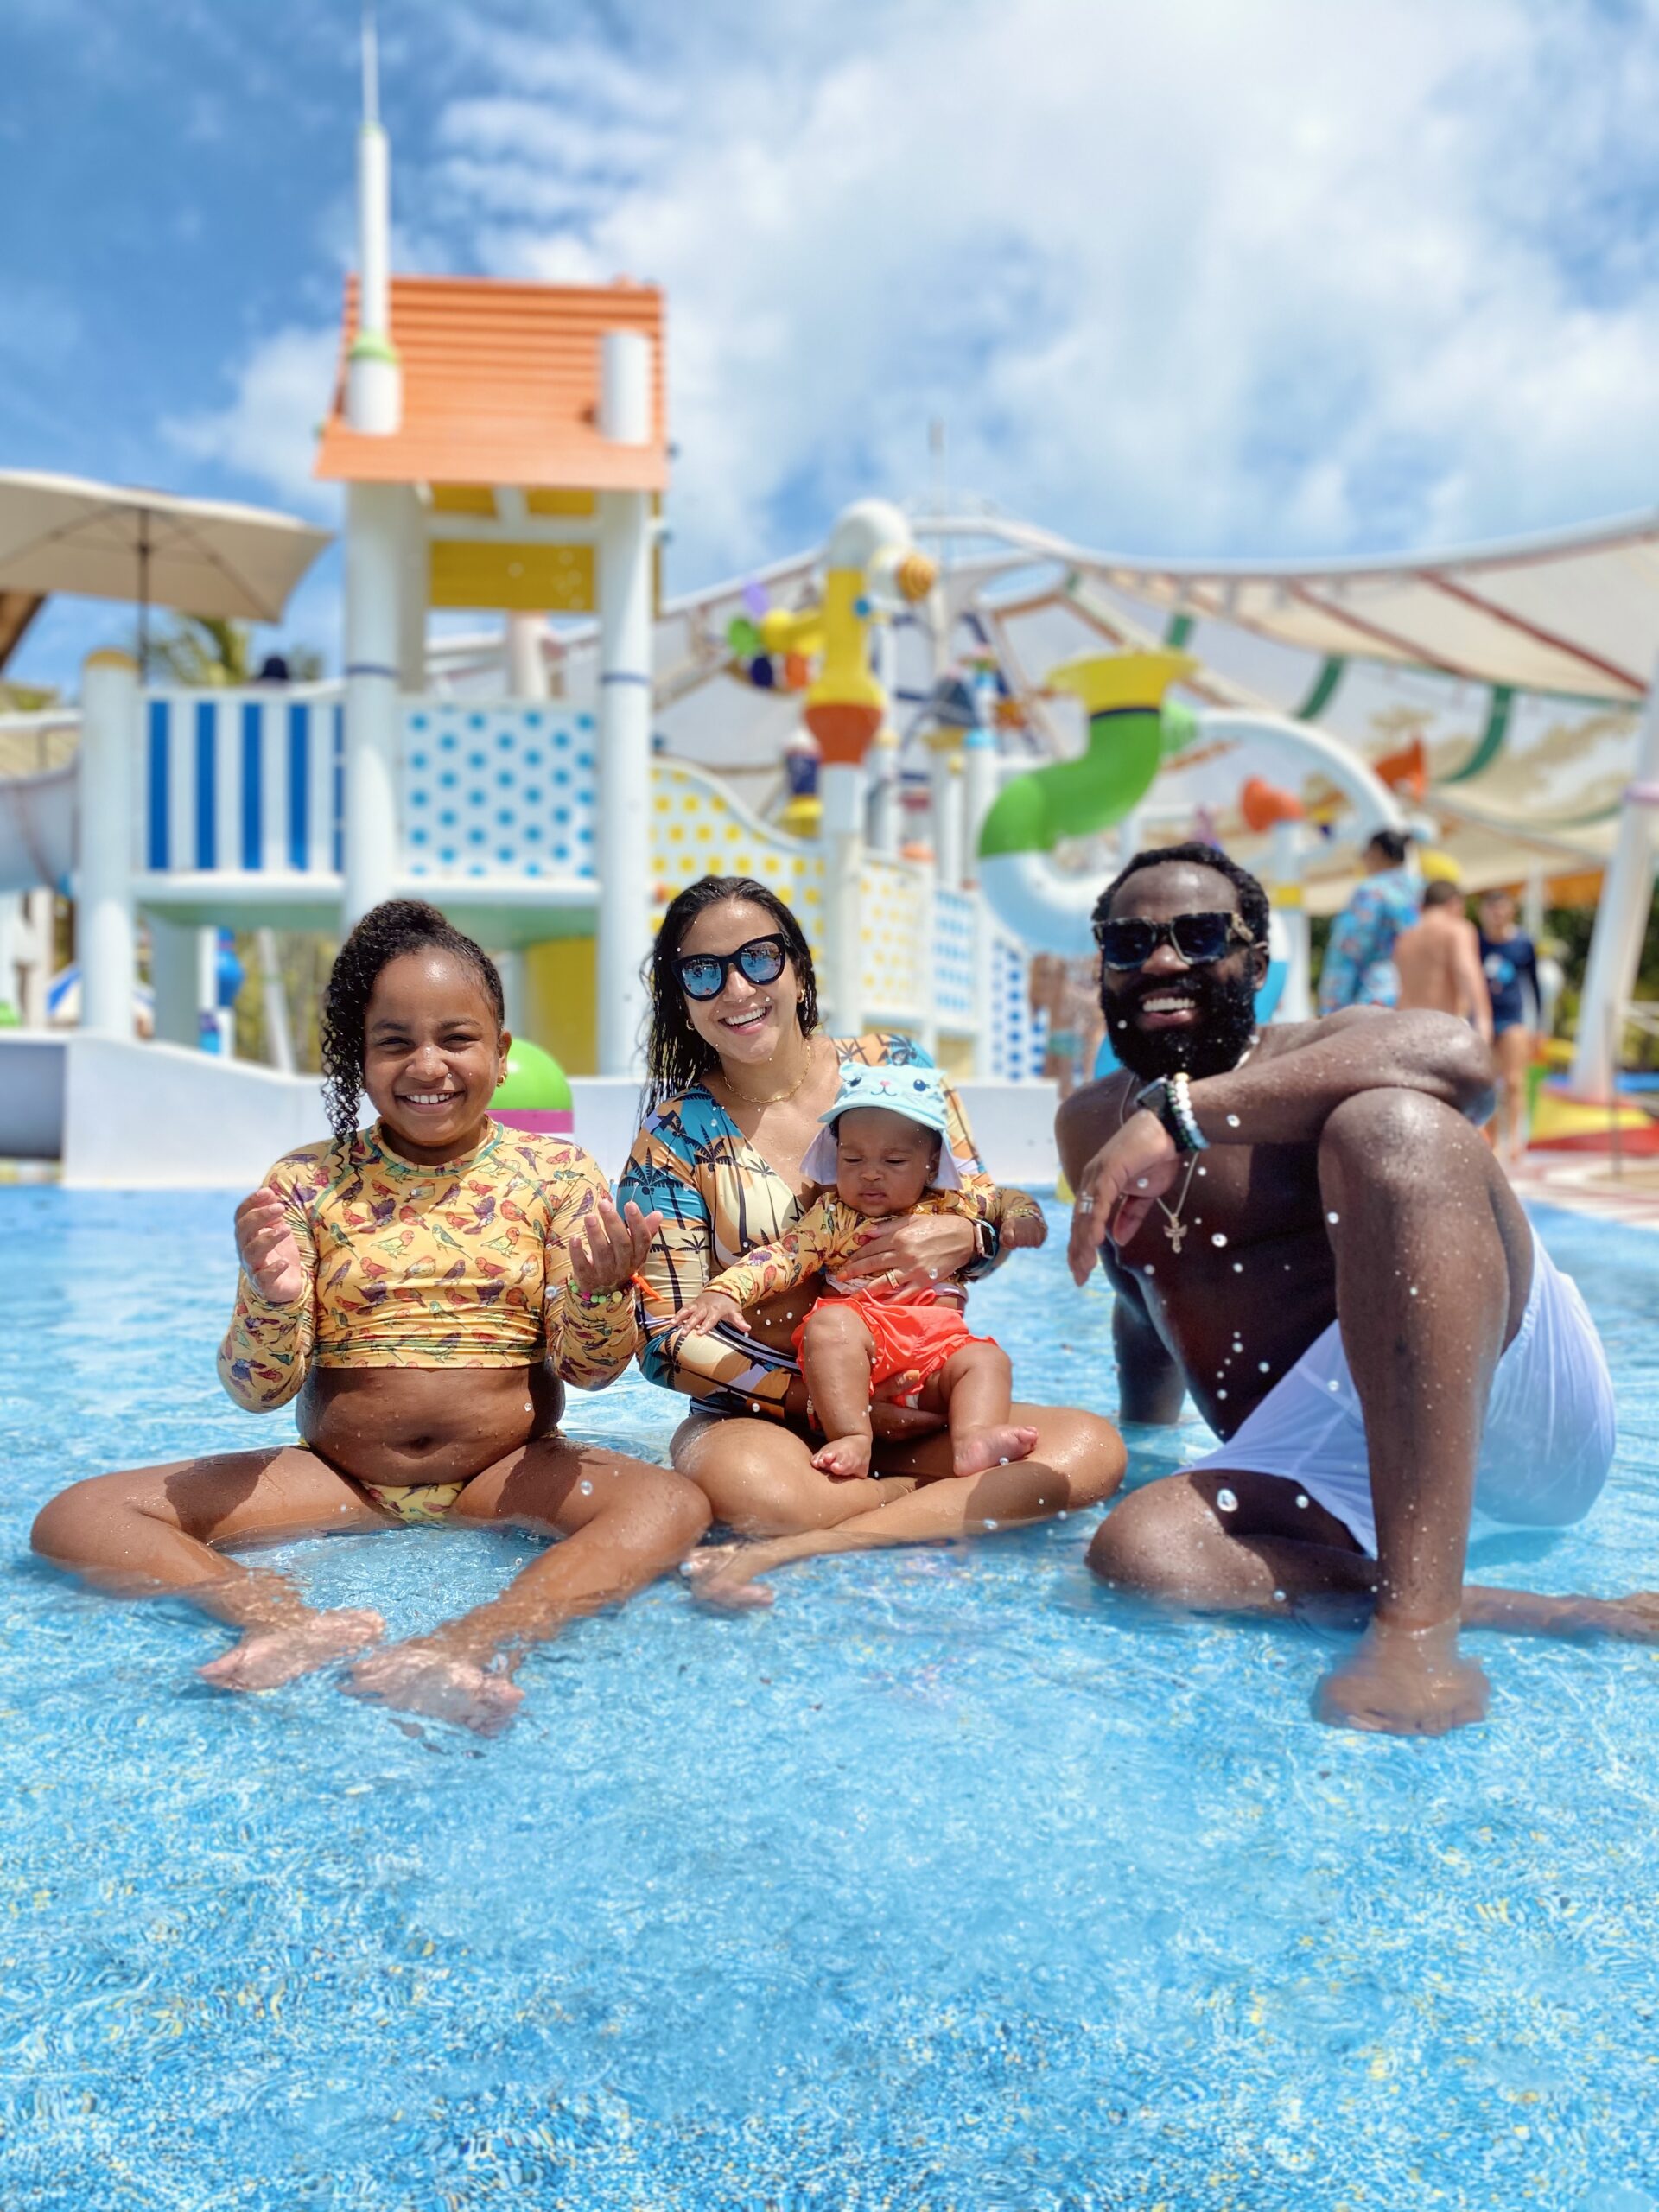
[884,1146]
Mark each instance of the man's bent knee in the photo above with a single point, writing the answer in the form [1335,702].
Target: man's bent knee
[1140,1545]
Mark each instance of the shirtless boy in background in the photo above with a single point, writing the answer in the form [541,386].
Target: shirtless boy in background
[1439,962]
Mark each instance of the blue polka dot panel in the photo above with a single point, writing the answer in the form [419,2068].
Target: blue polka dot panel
[1018,1036]
[502,790]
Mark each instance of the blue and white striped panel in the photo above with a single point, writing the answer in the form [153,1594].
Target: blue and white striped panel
[502,790]
[237,782]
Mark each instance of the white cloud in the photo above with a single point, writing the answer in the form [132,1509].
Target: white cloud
[268,432]
[1201,277]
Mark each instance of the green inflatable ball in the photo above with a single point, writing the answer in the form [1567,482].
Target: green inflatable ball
[534,1083]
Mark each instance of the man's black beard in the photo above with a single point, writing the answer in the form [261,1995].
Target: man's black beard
[1215,1043]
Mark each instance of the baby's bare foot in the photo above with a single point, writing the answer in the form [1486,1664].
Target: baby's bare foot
[265,1657]
[845,1459]
[990,1448]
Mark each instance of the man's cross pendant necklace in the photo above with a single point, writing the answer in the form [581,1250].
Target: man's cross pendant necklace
[1174,1228]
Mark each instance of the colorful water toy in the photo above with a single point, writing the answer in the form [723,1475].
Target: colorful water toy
[1133,729]
[534,1093]
[872,566]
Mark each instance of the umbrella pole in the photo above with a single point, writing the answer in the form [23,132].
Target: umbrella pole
[143,595]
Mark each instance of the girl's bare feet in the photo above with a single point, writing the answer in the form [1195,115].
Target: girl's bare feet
[265,1657]
[722,1575]
[421,1677]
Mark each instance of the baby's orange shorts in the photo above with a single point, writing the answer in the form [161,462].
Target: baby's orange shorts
[910,1339]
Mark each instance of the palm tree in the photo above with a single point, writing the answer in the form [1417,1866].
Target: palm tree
[205,649]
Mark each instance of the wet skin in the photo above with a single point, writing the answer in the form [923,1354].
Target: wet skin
[1338,1146]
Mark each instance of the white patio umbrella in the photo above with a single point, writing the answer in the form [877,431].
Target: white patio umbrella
[119,541]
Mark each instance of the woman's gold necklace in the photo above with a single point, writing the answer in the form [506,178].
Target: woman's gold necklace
[777,1097]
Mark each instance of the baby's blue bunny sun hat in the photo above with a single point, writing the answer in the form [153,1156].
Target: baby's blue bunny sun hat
[917,1093]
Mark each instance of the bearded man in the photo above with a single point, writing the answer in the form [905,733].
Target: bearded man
[1305,1229]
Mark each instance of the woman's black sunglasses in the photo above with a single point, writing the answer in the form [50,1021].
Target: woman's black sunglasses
[702,975]
[1200,938]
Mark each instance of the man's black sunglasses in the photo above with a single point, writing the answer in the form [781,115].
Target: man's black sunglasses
[702,975]
[1200,938]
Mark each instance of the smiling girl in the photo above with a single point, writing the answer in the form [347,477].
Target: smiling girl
[423,1289]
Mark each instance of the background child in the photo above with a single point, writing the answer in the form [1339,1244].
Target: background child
[883,1147]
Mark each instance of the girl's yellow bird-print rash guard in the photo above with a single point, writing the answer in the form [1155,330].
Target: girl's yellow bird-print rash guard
[465,1265]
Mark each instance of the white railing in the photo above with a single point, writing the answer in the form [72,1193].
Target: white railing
[242,782]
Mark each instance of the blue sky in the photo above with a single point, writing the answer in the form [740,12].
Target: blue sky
[1207,277]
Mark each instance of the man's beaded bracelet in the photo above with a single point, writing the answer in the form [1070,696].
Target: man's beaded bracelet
[1170,1097]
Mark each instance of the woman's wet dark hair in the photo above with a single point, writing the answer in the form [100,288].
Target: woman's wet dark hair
[675,1054]
[385,932]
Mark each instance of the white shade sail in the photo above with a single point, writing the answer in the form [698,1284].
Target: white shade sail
[1573,611]
[117,540]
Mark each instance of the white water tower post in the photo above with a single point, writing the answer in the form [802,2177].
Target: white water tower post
[982,775]
[1621,921]
[624,703]
[375,550]
[104,912]
[841,831]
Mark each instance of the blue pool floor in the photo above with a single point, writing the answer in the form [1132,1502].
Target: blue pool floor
[954,1882]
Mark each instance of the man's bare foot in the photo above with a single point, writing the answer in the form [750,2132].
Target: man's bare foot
[1404,1682]
[266,1657]
[847,1458]
[1634,1619]
[722,1575]
[990,1448]
[418,1677]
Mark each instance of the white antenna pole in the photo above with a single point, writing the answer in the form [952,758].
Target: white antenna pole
[371,67]
[374,401]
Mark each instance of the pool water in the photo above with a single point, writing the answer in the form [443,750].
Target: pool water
[954,1882]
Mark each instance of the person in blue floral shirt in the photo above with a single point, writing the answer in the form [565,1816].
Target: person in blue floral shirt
[1358,968]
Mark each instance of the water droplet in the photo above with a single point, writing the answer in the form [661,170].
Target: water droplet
[586,1487]
[1140,1183]
[1302,1500]
[1225,1502]
[1333,1217]
[1149,1269]
[1219,1240]
[1262,1367]
[1334,1384]
[1221,1393]
[1238,1267]
[1232,1121]
[1278,1597]
[991,1524]
[1061,1515]
[1413,1290]
[1204,1171]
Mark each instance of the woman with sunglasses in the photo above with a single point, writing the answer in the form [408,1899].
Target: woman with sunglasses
[738,1075]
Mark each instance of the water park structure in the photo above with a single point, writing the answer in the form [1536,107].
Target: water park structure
[934,734]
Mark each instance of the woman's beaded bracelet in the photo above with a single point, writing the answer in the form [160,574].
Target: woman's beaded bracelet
[598,1299]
